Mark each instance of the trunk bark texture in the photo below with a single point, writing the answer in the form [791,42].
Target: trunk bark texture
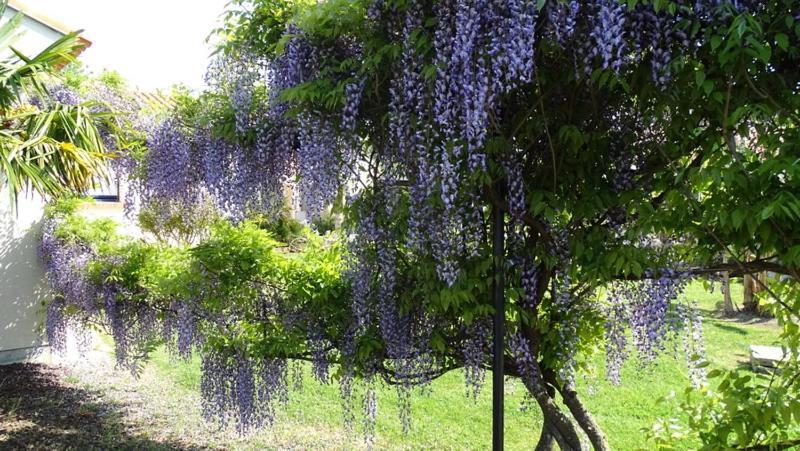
[748,299]
[584,419]
[726,295]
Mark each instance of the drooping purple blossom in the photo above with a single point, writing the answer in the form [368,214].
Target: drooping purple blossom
[693,342]
[562,20]
[64,95]
[476,350]
[320,348]
[644,306]
[607,36]
[370,414]
[319,167]
[617,318]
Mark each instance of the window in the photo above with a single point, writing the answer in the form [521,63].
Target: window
[106,190]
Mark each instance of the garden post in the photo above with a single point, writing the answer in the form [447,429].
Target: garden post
[498,299]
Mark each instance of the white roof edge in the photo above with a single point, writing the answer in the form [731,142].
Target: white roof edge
[44,19]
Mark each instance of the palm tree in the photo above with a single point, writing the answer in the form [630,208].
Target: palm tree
[52,148]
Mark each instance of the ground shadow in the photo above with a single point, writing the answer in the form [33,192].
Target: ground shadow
[760,372]
[729,328]
[39,411]
[739,316]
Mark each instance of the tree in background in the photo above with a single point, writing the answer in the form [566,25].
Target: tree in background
[610,144]
[616,139]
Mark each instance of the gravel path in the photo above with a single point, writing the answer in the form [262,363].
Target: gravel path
[87,405]
[41,409]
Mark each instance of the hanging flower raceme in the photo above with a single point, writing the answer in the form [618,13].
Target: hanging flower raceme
[318,164]
[644,307]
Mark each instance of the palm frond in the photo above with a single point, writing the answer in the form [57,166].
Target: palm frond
[21,73]
[51,151]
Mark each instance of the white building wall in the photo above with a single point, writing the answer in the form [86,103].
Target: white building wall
[23,289]
[35,36]
[22,286]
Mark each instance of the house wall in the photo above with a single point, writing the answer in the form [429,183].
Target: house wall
[22,286]
[36,36]
[23,289]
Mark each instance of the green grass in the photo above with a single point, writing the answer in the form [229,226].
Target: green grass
[444,418]
[623,410]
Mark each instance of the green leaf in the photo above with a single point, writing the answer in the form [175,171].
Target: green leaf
[699,77]
[716,40]
[782,41]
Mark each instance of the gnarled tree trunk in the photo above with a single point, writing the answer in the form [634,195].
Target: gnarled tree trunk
[558,427]
[584,418]
[546,440]
[557,423]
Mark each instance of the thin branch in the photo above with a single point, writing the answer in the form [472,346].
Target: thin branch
[737,269]
[773,446]
[547,131]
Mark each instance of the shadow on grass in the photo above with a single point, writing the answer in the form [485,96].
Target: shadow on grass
[38,411]
[729,328]
[739,316]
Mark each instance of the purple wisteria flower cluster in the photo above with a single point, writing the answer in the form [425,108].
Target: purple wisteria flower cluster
[65,269]
[376,305]
[180,329]
[168,155]
[476,350]
[79,301]
[187,173]
[64,95]
[649,309]
[693,341]
[242,390]
[318,165]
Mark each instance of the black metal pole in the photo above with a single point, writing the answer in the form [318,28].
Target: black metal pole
[498,298]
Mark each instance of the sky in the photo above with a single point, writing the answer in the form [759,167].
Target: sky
[152,43]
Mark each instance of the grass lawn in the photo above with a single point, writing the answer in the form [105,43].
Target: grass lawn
[443,417]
